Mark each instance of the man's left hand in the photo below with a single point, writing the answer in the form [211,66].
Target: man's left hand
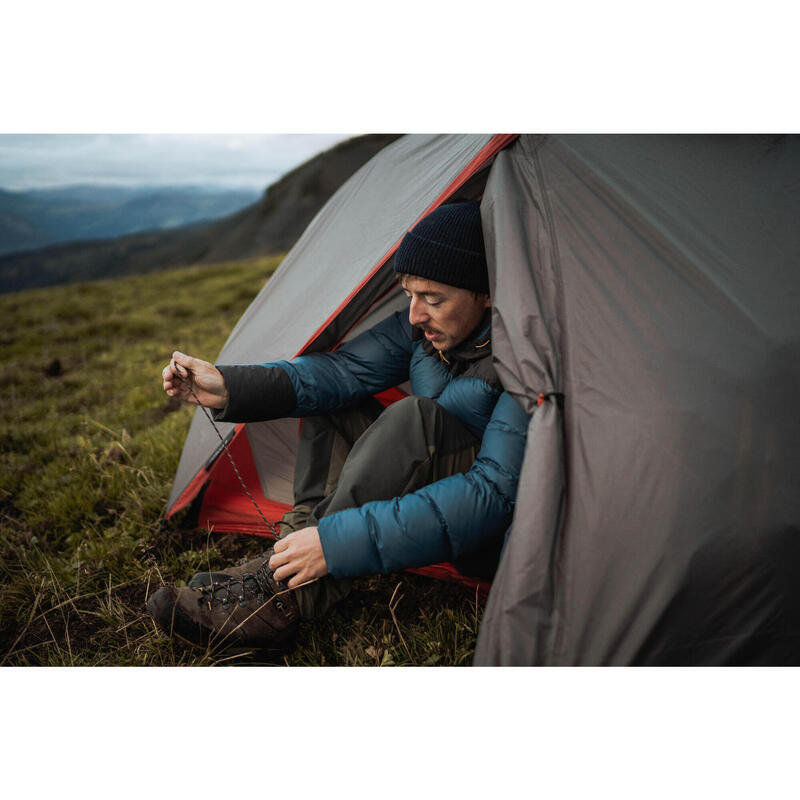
[298,558]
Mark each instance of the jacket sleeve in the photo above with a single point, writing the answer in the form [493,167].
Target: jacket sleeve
[376,360]
[255,392]
[441,521]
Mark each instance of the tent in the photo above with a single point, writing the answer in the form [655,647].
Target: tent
[647,313]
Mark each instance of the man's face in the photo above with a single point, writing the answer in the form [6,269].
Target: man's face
[445,313]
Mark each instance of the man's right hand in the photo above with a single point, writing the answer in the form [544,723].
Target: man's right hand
[205,379]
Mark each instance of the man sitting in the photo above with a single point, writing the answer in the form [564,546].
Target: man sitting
[431,478]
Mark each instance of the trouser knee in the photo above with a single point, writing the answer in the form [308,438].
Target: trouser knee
[424,421]
[411,407]
[409,416]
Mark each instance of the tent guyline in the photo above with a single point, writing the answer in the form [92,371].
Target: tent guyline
[206,591]
[270,527]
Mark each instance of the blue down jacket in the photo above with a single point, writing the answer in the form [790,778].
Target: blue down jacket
[450,517]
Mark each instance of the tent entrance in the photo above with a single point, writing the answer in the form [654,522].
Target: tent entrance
[265,452]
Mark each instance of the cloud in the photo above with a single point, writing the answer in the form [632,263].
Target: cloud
[251,160]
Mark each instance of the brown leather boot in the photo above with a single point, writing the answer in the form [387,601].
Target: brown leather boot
[201,580]
[248,609]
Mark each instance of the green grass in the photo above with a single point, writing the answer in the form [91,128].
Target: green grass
[87,457]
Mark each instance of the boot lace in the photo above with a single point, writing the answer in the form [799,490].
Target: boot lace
[258,585]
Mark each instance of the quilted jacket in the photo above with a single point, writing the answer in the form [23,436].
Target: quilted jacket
[442,521]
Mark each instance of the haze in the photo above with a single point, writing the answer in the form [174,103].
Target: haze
[247,160]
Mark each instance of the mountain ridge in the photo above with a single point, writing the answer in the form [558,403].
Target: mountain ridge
[269,226]
[39,218]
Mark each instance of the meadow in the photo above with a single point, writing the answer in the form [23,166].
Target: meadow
[89,445]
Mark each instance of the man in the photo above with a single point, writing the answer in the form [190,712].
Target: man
[431,478]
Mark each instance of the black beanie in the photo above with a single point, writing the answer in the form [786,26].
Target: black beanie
[447,246]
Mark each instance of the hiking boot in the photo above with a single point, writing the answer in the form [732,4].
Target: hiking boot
[200,580]
[285,526]
[251,609]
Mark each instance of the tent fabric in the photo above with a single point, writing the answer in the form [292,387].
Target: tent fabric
[654,282]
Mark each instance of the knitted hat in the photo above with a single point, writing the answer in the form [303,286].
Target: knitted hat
[447,246]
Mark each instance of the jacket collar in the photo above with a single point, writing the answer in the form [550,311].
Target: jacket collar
[477,345]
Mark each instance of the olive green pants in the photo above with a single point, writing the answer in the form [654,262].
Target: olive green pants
[365,453]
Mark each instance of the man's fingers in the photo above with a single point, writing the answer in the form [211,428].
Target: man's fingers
[296,581]
[283,573]
[173,374]
[171,382]
[179,370]
[292,574]
[278,560]
[185,365]
[298,558]
[170,374]
[281,545]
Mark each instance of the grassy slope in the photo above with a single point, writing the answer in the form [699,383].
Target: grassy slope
[86,462]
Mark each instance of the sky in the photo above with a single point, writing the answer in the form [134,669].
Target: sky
[252,161]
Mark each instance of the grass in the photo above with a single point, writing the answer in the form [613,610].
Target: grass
[88,448]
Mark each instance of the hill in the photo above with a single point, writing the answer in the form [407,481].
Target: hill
[267,227]
[89,445]
[40,217]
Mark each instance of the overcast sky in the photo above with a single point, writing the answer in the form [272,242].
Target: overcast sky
[248,160]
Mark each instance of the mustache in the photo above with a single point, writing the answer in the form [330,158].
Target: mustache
[427,329]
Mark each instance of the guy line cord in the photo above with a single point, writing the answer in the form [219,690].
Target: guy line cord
[270,526]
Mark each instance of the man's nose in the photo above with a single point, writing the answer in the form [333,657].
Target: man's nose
[416,314]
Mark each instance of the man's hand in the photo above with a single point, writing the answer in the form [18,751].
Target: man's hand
[298,558]
[184,372]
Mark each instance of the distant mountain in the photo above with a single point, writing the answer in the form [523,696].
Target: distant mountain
[267,227]
[41,217]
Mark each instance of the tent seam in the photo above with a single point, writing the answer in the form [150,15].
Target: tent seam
[560,351]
